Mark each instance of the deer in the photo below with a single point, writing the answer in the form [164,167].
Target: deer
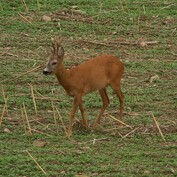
[92,75]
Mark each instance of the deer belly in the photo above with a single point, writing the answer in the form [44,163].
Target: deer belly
[95,85]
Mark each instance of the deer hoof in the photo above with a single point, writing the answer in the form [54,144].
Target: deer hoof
[95,125]
[83,124]
[69,133]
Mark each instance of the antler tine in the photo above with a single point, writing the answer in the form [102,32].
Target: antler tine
[53,44]
[56,43]
[58,39]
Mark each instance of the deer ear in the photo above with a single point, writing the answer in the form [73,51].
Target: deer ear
[60,52]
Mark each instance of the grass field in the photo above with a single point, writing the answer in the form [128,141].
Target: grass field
[33,141]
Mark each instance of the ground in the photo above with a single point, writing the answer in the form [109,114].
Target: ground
[34,109]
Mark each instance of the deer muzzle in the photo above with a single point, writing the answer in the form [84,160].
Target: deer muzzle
[46,72]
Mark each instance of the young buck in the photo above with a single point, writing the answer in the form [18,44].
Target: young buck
[94,74]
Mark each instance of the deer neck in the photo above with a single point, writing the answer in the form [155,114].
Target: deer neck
[63,76]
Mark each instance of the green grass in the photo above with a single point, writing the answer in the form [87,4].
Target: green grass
[100,152]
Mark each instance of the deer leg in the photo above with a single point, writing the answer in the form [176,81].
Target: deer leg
[76,103]
[120,95]
[84,120]
[105,100]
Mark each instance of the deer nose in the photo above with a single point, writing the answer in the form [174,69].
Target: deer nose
[46,72]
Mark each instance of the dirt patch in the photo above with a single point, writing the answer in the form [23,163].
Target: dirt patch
[73,14]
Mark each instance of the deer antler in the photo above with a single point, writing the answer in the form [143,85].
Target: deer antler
[58,40]
[53,44]
[56,43]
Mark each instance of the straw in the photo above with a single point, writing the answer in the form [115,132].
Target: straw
[24,3]
[26,116]
[54,116]
[27,72]
[5,108]
[62,122]
[130,132]
[24,18]
[5,100]
[38,5]
[3,111]
[36,162]
[122,6]
[41,132]
[120,121]
[23,117]
[157,125]
[34,101]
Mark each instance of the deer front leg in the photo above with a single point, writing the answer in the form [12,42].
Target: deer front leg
[76,103]
[74,108]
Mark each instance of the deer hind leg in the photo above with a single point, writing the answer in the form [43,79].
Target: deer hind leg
[84,120]
[105,100]
[120,95]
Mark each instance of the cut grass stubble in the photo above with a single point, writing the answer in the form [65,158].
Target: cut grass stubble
[143,35]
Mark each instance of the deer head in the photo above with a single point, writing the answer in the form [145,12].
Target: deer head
[56,56]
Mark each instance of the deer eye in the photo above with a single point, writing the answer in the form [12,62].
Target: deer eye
[54,63]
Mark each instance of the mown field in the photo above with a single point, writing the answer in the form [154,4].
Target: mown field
[33,142]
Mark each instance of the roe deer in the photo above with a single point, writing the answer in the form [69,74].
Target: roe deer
[94,74]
